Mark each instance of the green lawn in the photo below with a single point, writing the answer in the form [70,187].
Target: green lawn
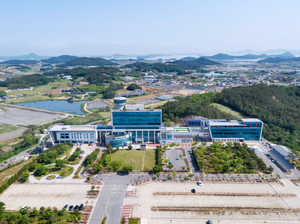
[149,162]
[126,157]
[228,110]
[106,115]
[44,88]
[134,221]
[4,128]
[29,99]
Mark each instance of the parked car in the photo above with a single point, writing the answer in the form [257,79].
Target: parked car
[193,191]
[71,208]
[81,207]
[209,222]
[76,208]
[66,206]
[199,183]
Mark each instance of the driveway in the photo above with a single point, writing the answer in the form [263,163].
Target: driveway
[110,200]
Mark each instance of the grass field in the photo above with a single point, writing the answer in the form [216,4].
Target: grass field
[228,110]
[4,128]
[44,88]
[106,115]
[29,99]
[126,157]
[4,175]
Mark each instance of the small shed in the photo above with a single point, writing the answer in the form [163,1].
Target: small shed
[143,147]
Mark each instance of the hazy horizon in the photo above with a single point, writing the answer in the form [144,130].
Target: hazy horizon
[96,28]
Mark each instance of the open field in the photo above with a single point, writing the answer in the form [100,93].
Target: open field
[32,98]
[44,88]
[15,116]
[106,115]
[228,110]
[48,195]
[126,157]
[4,175]
[253,203]
[4,128]
[12,134]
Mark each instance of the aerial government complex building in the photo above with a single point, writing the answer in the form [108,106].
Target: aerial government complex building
[134,124]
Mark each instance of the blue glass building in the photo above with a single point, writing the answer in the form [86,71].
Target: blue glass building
[142,125]
[234,131]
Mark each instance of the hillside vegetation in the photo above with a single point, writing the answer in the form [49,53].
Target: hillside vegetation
[198,104]
[59,59]
[176,66]
[26,81]
[88,62]
[277,106]
[19,62]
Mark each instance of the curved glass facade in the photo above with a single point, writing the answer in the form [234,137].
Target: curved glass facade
[116,141]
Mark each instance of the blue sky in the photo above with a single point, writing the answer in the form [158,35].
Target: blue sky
[86,27]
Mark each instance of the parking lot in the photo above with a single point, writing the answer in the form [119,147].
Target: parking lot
[228,209]
[37,195]
[173,156]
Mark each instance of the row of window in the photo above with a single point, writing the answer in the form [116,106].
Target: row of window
[77,135]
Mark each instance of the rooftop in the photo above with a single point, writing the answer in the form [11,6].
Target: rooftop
[72,128]
[145,110]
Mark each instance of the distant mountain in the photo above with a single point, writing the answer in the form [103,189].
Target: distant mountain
[31,56]
[194,64]
[247,51]
[59,59]
[88,62]
[276,51]
[230,57]
[278,60]
[286,55]
[19,62]
[188,58]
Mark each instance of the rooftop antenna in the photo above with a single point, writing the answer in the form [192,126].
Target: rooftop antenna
[119,94]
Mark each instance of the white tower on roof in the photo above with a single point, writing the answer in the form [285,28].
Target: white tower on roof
[120,102]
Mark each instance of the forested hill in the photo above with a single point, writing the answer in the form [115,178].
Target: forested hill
[26,81]
[198,104]
[176,66]
[59,59]
[19,62]
[88,62]
[277,106]
[195,64]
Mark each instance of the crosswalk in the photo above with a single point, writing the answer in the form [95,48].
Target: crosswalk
[186,145]
[126,212]
[129,194]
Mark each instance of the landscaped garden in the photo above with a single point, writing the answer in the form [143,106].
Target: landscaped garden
[228,158]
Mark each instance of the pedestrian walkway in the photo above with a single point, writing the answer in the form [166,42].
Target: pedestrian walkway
[129,194]
[126,212]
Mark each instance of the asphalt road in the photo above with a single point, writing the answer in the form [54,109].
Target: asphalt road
[110,201]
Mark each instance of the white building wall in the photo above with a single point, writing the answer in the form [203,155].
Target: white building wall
[77,136]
